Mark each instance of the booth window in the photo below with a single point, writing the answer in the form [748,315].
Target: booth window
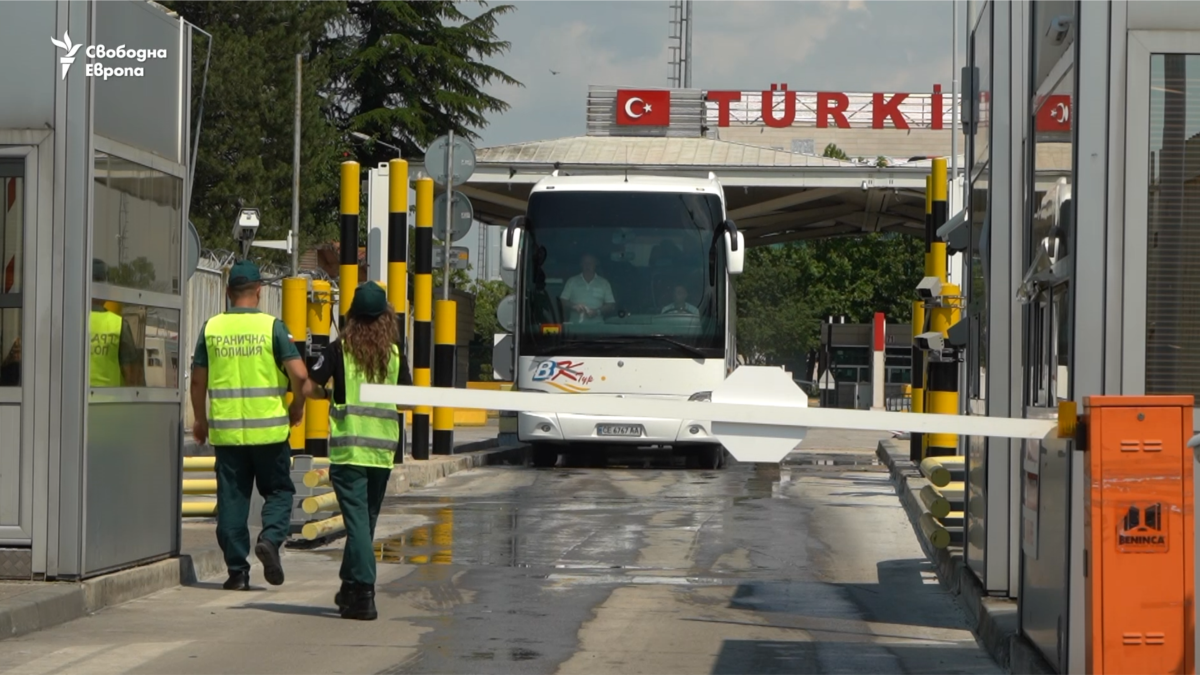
[138,216]
[980,156]
[1173,223]
[12,247]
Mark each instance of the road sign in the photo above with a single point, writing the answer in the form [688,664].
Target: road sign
[759,386]
[192,250]
[506,312]
[460,218]
[827,381]
[464,160]
[459,257]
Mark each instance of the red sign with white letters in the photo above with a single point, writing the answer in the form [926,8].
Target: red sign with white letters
[1055,113]
[648,107]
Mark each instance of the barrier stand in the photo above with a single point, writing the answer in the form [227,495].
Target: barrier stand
[443,373]
[423,310]
[316,416]
[295,290]
[1138,532]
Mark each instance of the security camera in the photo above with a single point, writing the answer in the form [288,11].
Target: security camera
[959,334]
[929,288]
[246,225]
[931,342]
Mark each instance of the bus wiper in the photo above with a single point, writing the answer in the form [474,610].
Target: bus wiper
[680,345]
[617,340]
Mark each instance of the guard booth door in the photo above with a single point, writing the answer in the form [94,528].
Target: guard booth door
[17,350]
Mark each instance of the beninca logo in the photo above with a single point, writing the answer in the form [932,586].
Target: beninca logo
[1142,526]
[70,49]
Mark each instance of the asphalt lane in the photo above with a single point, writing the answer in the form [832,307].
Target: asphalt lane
[811,567]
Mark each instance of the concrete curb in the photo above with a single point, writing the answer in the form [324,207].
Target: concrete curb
[993,620]
[418,473]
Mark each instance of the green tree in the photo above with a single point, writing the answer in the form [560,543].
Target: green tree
[407,72]
[881,161]
[247,121]
[833,151]
[488,295]
[138,273]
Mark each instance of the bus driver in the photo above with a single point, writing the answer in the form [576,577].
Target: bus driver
[588,296]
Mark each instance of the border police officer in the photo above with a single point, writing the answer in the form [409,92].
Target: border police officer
[364,437]
[244,362]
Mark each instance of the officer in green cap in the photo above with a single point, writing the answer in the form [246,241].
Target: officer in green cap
[244,363]
[113,358]
[364,437]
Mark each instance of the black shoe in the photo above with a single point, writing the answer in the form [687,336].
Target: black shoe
[237,581]
[342,599]
[361,604]
[269,555]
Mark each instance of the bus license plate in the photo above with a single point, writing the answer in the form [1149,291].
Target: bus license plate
[619,430]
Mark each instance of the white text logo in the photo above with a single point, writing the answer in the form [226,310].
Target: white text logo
[97,69]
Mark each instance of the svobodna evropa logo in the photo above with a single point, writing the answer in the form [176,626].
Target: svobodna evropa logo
[94,68]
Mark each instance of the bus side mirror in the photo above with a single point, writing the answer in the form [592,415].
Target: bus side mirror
[735,248]
[511,245]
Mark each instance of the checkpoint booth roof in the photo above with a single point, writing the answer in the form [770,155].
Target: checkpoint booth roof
[774,195]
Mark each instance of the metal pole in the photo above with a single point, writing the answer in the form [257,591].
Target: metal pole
[954,90]
[296,179]
[687,47]
[449,215]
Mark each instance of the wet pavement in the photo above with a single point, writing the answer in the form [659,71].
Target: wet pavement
[811,567]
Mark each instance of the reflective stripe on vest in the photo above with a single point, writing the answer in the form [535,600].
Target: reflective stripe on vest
[364,434]
[105,358]
[246,389]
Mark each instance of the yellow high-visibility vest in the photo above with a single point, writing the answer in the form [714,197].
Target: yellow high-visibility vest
[105,353]
[246,389]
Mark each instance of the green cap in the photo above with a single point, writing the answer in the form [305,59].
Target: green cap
[242,273]
[369,300]
[99,270]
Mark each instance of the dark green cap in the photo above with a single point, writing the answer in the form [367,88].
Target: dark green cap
[369,300]
[242,273]
[99,270]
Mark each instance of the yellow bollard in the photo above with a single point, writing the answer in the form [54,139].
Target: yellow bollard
[200,486]
[942,391]
[397,246]
[316,411]
[295,291]
[933,531]
[443,373]
[199,509]
[325,502]
[940,470]
[316,478]
[423,313]
[916,442]
[199,463]
[322,528]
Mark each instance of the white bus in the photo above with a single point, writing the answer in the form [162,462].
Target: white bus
[623,287]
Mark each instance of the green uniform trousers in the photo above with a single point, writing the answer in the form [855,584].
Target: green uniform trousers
[360,491]
[239,468]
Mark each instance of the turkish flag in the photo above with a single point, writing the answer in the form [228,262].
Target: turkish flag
[644,107]
[1055,113]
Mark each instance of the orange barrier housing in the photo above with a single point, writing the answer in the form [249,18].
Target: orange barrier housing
[1138,535]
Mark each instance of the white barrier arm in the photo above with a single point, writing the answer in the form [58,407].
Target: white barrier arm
[737,413]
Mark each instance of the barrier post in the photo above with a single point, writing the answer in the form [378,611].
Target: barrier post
[917,399]
[397,247]
[295,292]
[1138,532]
[443,374]
[348,271]
[423,311]
[941,378]
[316,411]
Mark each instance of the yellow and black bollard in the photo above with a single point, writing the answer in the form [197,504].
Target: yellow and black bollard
[423,311]
[917,400]
[397,246]
[316,412]
[443,374]
[941,389]
[295,292]
[348,272]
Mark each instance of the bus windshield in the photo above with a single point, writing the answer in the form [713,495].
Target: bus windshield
[623,273]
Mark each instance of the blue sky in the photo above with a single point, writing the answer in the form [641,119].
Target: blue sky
[890,45]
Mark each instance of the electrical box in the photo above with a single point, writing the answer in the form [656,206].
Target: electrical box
[1138,535]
